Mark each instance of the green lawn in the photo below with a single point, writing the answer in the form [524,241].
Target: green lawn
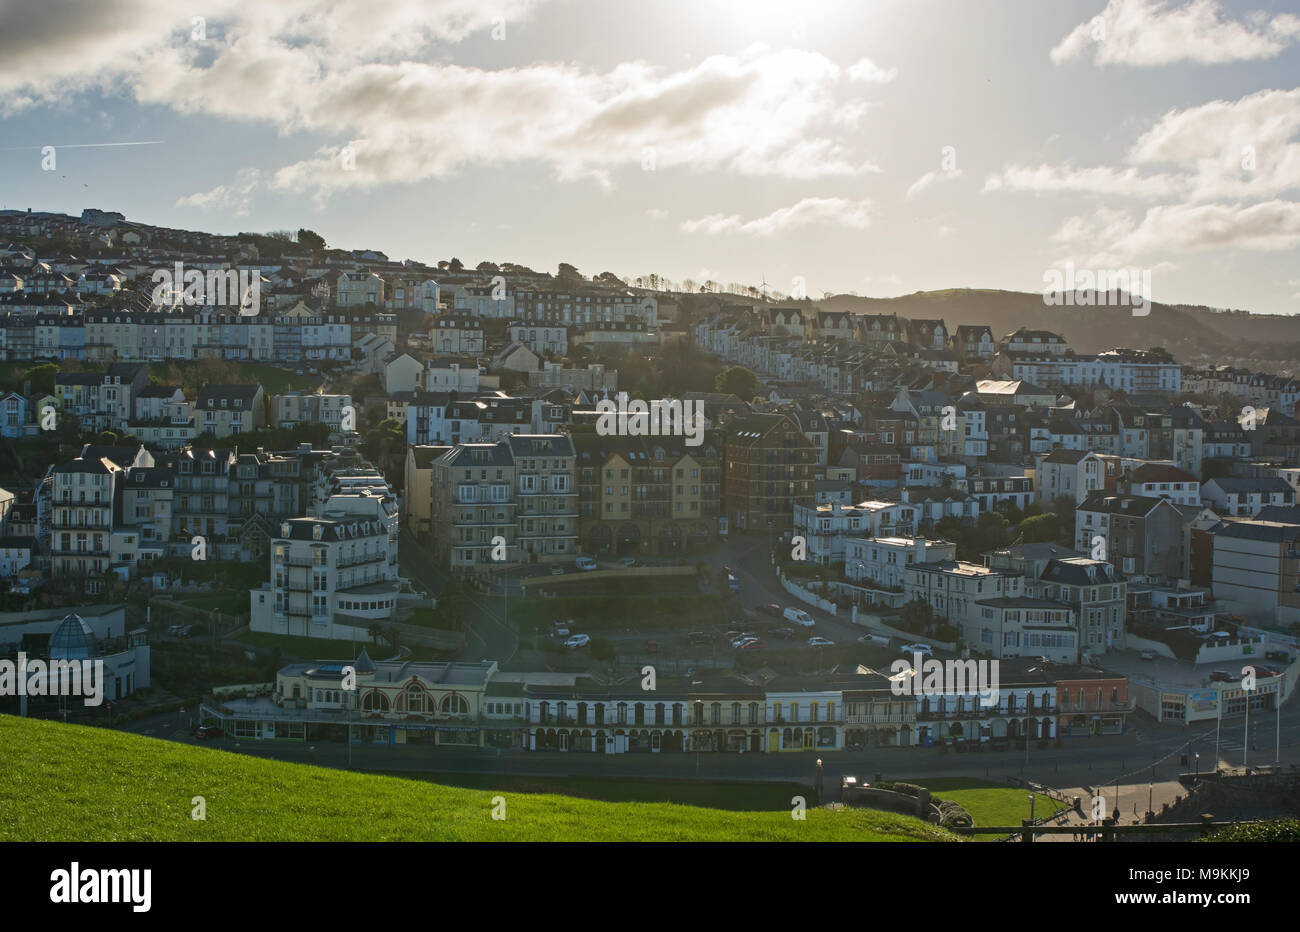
[989,803]
[230,601]
[74,783]
[753,796]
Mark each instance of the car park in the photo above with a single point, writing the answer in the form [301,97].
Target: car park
[820,642]
[799,617]
[917,648]
[577,640]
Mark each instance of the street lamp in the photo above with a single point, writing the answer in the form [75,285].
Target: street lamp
[1198,764]
[1031,808]
[1150,795]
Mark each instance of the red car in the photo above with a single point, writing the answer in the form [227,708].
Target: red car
[208,732]
[772,609]
[753,645]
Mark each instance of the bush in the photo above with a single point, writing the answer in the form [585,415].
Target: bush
[951,814]
[1278,830]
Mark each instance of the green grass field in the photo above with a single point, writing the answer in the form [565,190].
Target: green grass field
[989,803]
[73,783]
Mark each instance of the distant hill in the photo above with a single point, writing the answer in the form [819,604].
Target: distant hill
[1195,335]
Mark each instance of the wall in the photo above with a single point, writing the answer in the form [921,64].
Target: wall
[806,595]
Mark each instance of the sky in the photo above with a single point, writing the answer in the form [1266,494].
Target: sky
[878,147]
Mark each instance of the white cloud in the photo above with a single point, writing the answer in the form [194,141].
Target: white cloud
[1152,32]
[811,210]
[656,213]
[868,71]
[1116,237]
[232,197]
[930,178]
[366,75]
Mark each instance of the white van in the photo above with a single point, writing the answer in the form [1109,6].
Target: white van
[799,617]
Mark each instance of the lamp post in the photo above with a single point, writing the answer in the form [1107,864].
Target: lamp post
[1031,808]
[1198,764]
[1245,735]
[1150,796]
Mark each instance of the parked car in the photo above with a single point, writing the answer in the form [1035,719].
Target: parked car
[733,583]
[1261,671]
[916,649]
[1221,676]
[755,644]
[578,640]
[772,608]
[586,564]
[699,637]
[627,561]
[874,639]
[786,633]
[208,732]
[1147,655]
[799,617]
[557,570]
[1277,655]
[651,647]
[820,642]
[742,641]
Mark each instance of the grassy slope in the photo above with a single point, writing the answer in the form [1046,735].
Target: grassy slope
[71,783]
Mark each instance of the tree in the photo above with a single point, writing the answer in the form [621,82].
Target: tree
[312,240]
[1041,528]
[568,274]
[486,266]
[456,265]
[916,616]
[41,379]
[738,381]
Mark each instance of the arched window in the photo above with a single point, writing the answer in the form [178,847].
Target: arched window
[659,713]
[413,699]
[622,713]
[374,701]
[455,704]
[638,713]
[753,713]
[600,713]
[735,713]
[716,710]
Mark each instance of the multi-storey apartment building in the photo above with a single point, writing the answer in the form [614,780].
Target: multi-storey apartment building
[993,613]
[227,410]
[825,528]
[647,494]
[769,469]
[289,409]
[82,519]
[474,505]
[330,577]
[456,335]
[547,514]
